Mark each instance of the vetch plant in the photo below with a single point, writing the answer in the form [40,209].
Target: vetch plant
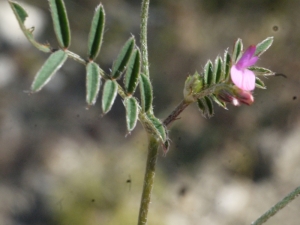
[229,79]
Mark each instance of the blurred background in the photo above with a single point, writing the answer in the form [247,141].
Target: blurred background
[62,164]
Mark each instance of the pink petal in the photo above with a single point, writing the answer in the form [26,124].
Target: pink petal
[236,76]
[243,79]
[249,80]
[248,58]
[249,52]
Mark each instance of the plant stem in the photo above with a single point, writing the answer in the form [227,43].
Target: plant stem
[277,207]
[144,44]
[148,179]
[153,146]
[175,113]
[153,141]
[76,57]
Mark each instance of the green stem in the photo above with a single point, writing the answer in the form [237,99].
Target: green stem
[148,179]
[144,44]
[153,141]
[280,205]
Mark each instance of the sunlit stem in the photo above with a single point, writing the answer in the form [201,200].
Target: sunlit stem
[144,44]
[149,179]
[277,207]
[153,141]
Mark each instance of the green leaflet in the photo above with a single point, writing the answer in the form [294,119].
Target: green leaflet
[53,63]
[263,46]
[261,71]
[20,13]
[259,83]
[60,23]
[132,73]
[109,95]
[218,101]
[161,129]
[209,106]
[93,82]
[237,50]
[206,106]
[21,16]
[120,64]
[226,65]
[146,93]
[96,32]
[131,107]
[218,71]
[154,126]
[201,106]
[208,73]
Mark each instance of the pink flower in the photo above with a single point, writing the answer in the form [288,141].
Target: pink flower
[240,75]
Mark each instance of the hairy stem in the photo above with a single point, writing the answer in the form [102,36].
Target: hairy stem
[153,146]
[148,179]
[153,141]
[277,207]
[176,112]
[76,57]
[193,98]
[144,44]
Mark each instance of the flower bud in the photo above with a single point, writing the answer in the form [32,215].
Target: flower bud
[226,95]
[193,85]
[244,97]
[235,96]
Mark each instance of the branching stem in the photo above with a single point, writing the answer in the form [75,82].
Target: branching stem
[176,112]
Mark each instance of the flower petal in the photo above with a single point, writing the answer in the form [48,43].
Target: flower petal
[236,76]
[243,79]
[248,58]
[248,80]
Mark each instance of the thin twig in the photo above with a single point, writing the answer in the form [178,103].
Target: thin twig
[176,112]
